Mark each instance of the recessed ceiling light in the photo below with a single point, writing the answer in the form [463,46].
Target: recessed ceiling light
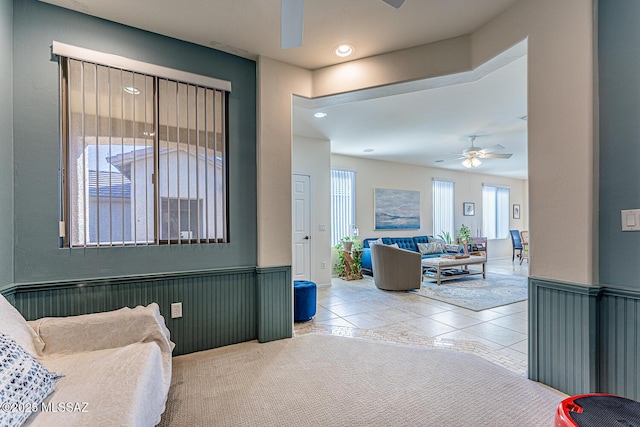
[343,50]
[132,90]
[320,115]
[368,150]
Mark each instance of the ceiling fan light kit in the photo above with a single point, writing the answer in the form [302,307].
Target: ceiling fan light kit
[473,154]
[471,162]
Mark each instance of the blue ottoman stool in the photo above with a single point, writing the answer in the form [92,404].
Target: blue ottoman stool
[304,300]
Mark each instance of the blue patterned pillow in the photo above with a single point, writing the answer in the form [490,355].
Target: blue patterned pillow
[24,383]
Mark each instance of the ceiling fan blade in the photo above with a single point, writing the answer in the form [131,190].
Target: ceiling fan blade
[292,21]
[492,149]
[496,156]
[394,3]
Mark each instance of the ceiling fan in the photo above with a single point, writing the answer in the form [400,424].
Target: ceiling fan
[473,154]
[291,20]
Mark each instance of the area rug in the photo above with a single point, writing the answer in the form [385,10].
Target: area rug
[321,380]
[477,294]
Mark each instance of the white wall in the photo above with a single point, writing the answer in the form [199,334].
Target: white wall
[372,174]
[562,143]
[277,83]
[313,157]
[562,166]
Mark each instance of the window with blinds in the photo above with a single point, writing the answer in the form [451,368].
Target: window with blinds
[145,158]
[495,211]
[443,207]
[343,212]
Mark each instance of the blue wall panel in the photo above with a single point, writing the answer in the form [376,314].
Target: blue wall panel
[620,342]
[619,174]
[275,303]
[6,143]
[219,307]
[37,148]
[562,336]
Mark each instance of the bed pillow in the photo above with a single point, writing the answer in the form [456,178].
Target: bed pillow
[13,324]
[24,382]
[430,248]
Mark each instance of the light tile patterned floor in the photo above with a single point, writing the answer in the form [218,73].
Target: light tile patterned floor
[358,309]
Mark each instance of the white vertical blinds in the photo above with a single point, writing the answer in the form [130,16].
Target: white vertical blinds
[443,207]
[145,158]
[342,204]
[495,211]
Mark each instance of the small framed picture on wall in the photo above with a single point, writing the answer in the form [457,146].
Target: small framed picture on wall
[516,211]
[468,209]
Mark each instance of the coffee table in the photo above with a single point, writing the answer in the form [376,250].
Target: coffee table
[441,266]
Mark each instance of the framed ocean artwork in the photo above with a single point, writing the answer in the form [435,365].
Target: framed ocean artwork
[396,209]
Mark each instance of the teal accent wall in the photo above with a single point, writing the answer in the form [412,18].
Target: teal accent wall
[584,339]
[562,336]
[6,143]
[37,148]
[275,303]
[619,98]
[220,307]
[226,298]
[619,93]
[620,342]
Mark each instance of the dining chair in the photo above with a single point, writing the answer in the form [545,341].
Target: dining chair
[516,242]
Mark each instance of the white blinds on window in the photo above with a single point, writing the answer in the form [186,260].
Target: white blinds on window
[495,211]
[443,207]
[342,204]
[145,158]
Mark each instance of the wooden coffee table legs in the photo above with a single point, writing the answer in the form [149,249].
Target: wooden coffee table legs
[440,278]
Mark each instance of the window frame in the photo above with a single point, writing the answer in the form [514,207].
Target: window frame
[501,214]
[66,53]
[335,238]
[452,207]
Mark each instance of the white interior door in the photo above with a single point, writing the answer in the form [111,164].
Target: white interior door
[301,228]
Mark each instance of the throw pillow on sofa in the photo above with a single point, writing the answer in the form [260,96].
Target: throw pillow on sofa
[24,383]
[376,242]
[452,248]
[430,248]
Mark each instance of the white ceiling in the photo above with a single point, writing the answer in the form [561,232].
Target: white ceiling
[417,127]
[424,126]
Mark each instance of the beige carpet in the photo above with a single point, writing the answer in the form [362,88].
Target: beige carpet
[318,380]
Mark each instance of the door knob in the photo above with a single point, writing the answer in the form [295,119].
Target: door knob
[306,238]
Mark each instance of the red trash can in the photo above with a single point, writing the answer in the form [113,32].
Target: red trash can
[597,410]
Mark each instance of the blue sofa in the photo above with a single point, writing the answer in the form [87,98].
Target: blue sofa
[408,243]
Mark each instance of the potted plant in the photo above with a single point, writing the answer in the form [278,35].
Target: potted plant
[348,243]
[349,263]
[446,236]
[464,237]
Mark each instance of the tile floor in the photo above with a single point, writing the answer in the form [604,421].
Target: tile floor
[358,309]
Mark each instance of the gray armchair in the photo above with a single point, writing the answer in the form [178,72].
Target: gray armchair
[395,269]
